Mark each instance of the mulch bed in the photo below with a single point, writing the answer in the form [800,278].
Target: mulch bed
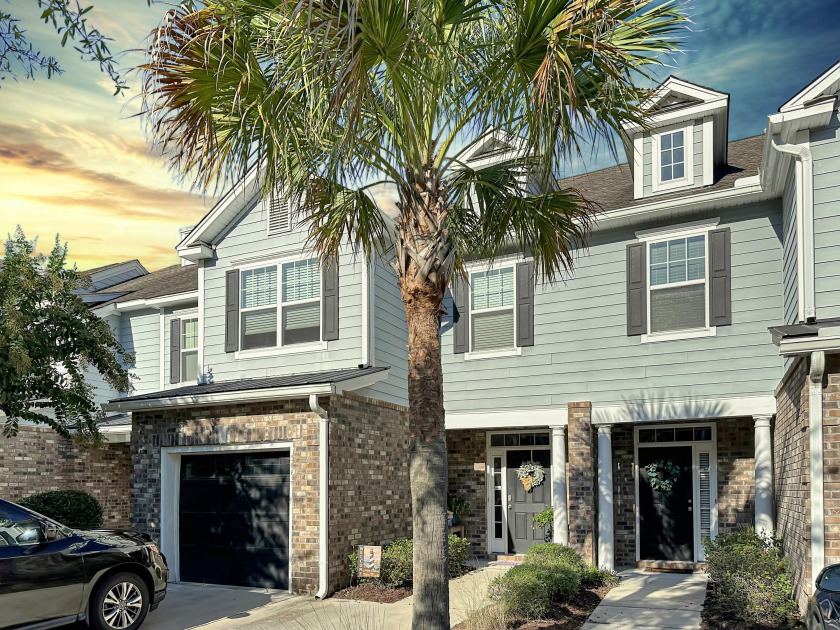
[569,617]
[716,619]
[371,592]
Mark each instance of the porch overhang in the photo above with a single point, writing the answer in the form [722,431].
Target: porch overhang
[253,390]
[803,339]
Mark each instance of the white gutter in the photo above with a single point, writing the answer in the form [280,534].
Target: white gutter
[815,434]
[323,499]
[133,305]
[365,355]
[255,395]
[804,226]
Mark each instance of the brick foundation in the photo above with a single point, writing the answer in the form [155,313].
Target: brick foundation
[467,461]
[581,497]
[368,464]
[38,459]
[736,473]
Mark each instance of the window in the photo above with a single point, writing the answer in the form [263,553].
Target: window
[491,312]
[677,298]
[189,350]
[672,156]
[298,309]
[19,528]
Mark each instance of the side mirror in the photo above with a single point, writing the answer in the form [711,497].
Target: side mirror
[51,532]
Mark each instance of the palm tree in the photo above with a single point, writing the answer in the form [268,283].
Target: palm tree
[332,98]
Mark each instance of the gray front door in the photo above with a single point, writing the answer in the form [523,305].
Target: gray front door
[523,505]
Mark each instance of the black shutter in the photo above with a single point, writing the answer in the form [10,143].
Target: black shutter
[636,289]
[460,316]
[329,303]
[525,304]
[175,351]
[232,310]
[720,278]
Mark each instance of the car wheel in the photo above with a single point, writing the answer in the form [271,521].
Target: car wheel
[121,602]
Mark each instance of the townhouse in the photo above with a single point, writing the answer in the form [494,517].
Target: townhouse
[684,381]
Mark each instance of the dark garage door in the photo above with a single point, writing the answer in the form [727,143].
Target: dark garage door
[234,511]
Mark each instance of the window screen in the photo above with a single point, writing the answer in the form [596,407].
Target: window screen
[678,284]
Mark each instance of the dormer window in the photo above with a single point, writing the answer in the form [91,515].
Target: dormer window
[673,158]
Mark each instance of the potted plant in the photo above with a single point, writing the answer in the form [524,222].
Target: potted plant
[458,505]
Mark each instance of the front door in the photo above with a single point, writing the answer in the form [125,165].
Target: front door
[666,519]
[522,504]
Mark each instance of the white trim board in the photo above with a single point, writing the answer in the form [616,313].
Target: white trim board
[170,488]
[503,420]
[683,409]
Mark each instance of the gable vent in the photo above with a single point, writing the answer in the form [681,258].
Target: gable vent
[279,216]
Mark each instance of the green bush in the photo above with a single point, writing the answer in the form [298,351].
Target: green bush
[397,567]
[554,553]
[72,508]
[531,589]
[749,580]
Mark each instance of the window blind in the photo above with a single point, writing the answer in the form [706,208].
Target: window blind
[678,308]
[259,287]
[492,289]
[492,331]
[301,281]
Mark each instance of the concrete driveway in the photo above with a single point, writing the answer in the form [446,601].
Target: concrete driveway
[210,606]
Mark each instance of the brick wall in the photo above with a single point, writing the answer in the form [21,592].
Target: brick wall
[581,496]
[38,460]
[831,458]
[791,476]
[467,477]
[736,473]
[624,496]
[370,500]
[282,421]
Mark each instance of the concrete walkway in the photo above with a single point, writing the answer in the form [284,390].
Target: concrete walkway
[662,601]
[224,608]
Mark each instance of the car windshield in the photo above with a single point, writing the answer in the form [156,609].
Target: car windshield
[830,579]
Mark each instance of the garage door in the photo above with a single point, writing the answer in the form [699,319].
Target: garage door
[234,519]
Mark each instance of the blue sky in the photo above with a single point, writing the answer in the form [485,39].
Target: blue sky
[73,159]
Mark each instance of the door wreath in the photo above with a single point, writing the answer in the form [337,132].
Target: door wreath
[662,475]
[531,474]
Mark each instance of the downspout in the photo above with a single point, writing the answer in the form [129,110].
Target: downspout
[815,434]
[323,497]
[804,226]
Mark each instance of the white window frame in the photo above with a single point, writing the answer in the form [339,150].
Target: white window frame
[184,351]
[514,350]
[649,237]
[657,185]
[279,349]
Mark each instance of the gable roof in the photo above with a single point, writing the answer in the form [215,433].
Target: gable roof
[174,280]
[827,84]
[612,188]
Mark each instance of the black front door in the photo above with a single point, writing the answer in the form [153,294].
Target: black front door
[234,519]
[666,517]
[522,504]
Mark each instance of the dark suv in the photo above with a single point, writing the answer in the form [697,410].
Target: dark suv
[52,575]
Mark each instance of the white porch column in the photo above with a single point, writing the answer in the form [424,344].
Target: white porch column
[558,485]
[763,475]
[605,499]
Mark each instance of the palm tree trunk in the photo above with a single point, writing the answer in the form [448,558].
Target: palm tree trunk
[427,455]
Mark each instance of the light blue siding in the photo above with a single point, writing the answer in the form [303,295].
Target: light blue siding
[790,275]
[583,353]
[825,149]
[102,391]
[390,336]
[245,241]
[140,335]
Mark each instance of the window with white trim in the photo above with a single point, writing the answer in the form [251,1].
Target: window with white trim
[672,156]
[491,310]
[678,299]
[292,299]
[189,350]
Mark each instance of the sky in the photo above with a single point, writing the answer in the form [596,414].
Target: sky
[74,159]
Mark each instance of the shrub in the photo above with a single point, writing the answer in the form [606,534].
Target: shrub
[748,578]
[459,551]
[397,567]
[554,552]
[531,589]
[72,508]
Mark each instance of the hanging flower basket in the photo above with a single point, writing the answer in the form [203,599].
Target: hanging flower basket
[662,475]
[531,474]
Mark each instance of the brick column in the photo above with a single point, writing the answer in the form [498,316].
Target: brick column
[581,481]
